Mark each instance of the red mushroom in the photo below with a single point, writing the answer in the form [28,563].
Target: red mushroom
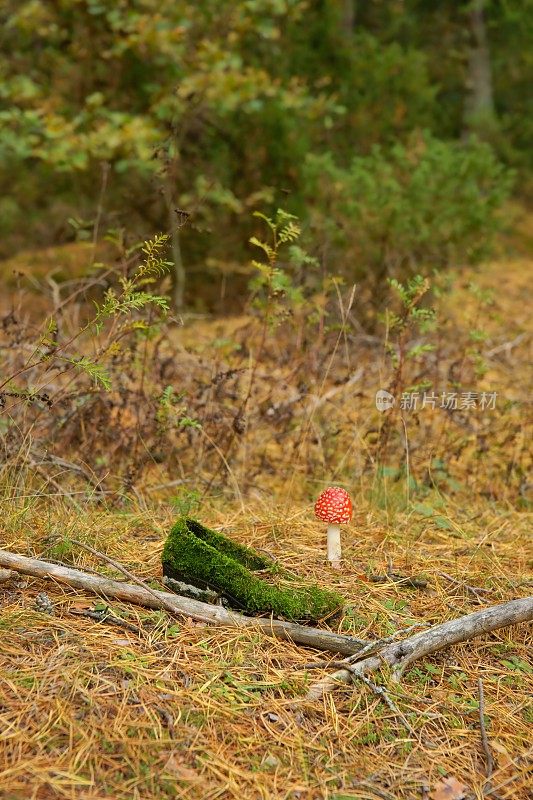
[334,507]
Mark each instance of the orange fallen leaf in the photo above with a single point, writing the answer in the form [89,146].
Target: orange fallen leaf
[449,789]
[505,762]
[179,770]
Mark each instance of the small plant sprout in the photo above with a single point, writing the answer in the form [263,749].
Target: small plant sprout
[334,506]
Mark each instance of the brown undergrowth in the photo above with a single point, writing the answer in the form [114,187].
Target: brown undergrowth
[232,406]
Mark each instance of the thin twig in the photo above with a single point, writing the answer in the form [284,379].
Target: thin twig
[475,590]
[168,606]
[381,692]
[384,795]
[484,739]
[316,401]
[167,718]
[100,208]
[167,485]
[525,759]
[506,346]
[56,485]
[39,459]
[110,619]
[393,577]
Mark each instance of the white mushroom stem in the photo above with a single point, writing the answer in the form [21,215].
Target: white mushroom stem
[334,545]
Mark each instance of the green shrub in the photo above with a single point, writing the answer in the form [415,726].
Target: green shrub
[430,203]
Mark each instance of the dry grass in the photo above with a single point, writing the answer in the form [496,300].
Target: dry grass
[89,710]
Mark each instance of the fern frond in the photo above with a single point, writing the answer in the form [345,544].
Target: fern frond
[97,372]
[153,265]
[290,232]
[266,248]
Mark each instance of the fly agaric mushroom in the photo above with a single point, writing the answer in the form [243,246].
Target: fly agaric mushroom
[334,507]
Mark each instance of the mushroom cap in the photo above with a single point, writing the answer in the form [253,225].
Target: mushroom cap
[334,505]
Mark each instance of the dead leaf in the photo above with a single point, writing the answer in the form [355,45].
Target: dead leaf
[506,764]
[81,605]
[123,417]
[175,766]
[449,789]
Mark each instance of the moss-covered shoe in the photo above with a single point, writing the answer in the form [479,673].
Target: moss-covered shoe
[206,558]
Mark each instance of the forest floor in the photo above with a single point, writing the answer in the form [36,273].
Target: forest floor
[170,708]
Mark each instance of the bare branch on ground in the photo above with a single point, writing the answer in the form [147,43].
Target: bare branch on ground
[400,655]
[196,610]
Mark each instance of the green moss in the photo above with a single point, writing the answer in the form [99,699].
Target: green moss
[203,557]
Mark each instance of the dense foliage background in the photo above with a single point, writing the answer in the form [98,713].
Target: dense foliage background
[389,128]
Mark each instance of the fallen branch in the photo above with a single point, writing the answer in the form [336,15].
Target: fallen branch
[400,655]
[366,649]
[62,492]
[5,575]
[40,459]
[201,612]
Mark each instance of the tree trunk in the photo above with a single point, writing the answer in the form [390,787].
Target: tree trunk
[178,272]
[348,16]
[479,114]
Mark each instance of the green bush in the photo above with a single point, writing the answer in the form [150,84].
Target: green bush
[426,204]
